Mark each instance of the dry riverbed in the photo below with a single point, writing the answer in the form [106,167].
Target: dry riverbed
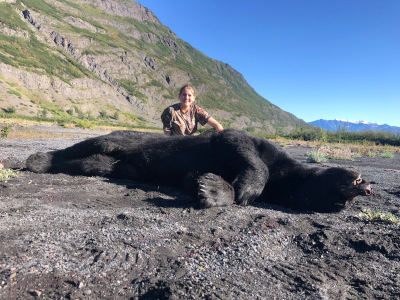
[92,238]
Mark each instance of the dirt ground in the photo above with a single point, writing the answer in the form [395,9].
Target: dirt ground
[65,237]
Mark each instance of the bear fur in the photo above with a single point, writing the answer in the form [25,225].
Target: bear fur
[218,170]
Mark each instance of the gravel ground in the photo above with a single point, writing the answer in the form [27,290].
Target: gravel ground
[80,237]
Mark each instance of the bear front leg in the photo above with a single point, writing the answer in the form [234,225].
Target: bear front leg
[243,157]
[249,184]
[214,191]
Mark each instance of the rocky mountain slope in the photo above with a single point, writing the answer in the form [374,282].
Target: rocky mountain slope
[80,58]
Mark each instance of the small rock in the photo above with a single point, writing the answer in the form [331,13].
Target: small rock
[180,272]
[87,292]
[35,293]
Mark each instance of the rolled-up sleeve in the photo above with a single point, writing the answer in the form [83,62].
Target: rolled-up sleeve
[201,116]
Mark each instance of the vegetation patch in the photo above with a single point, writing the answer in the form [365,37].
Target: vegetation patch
[139,121]
[128,85]
[10,18]
[10,110]
[316,157]
[50,107]
[387,154]
[283,145]
[84,124]
[325,152]
[31,53]
[7,174]
[12,92]
[5,131]
[83,121]
[377,216]
[343,136]
[336,152]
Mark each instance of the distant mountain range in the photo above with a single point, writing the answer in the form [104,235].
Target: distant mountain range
[334,125]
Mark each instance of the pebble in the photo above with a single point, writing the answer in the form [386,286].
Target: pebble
[35,293]
[87,292]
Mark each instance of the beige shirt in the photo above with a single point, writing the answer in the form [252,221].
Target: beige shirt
[179,123]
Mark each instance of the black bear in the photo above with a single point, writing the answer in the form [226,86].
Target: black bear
[218,170]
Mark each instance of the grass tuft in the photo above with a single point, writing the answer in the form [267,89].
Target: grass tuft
[316,157]
[377,216]
[283,145]
[344,153]
[7,173]
[387,154]
[84,124]
[5,131]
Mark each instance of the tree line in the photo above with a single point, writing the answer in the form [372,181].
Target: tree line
[343,135]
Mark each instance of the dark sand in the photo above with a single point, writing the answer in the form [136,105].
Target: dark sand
[65,237]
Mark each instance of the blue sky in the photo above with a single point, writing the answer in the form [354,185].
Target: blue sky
[317,59]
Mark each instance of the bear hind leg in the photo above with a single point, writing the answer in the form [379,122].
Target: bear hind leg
[95,165]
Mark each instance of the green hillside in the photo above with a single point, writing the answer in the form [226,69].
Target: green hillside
[103,59]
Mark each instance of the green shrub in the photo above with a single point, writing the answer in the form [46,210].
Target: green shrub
[62,122]
[7,173]
[84,124]
[250,129]
[4,132]
[316,157]
[10,110]
[89,115]
[283,145]
[12,92]
[44,113]
[342,135]
[369,215]
[387,154]
[103,114]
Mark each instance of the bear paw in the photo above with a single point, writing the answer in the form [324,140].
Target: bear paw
[39,162]
[214,191]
